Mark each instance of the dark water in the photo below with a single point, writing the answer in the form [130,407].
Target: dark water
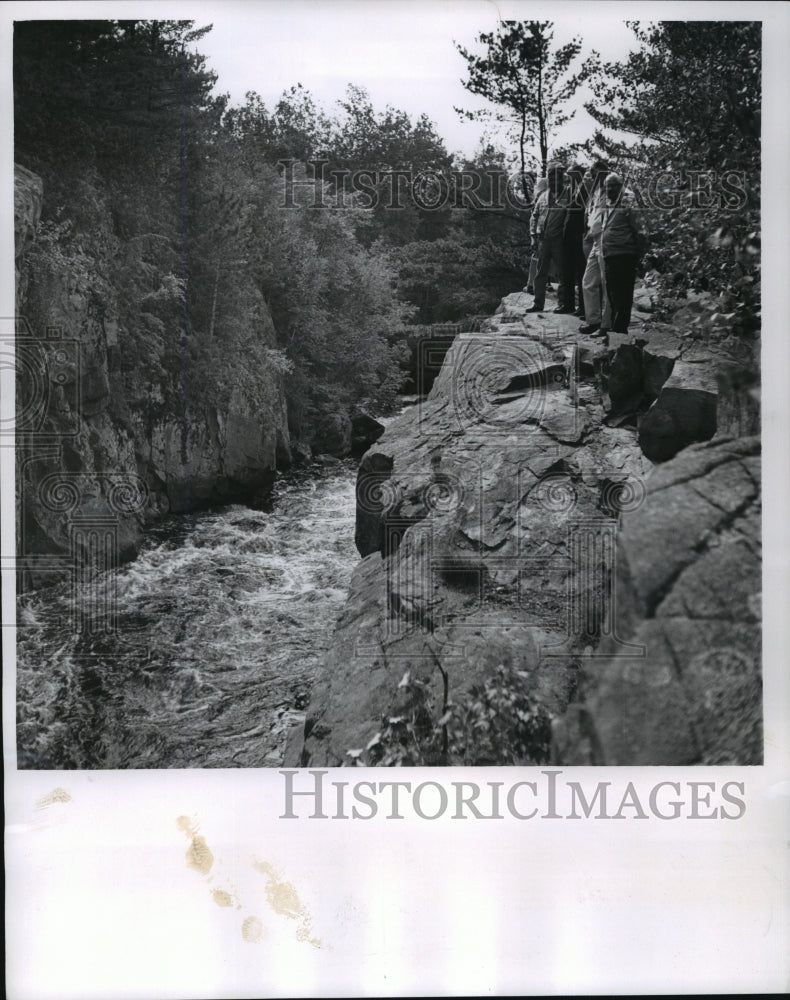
[221,622]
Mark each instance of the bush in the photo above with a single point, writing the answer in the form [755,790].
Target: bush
[496,722]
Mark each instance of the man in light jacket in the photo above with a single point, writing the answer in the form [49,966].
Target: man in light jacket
[597,311]
[623,243]
[540,186]
[546,227]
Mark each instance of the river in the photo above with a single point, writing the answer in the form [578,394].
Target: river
[222,620]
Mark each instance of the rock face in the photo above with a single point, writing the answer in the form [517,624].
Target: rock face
[96,456]
[688,574]
[28,198]
[503,523]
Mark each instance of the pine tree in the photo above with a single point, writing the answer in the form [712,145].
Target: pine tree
[528,81]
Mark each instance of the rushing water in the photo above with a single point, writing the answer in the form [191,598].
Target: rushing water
[222,620]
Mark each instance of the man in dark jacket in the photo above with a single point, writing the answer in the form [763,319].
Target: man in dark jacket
[623,243]
[573,260]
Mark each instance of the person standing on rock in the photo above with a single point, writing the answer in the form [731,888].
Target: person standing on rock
[573,262]
[546,227]
[597,310]
[623,243]
[540,186]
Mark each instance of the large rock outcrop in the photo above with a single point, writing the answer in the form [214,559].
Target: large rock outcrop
[100,452]
[512,519]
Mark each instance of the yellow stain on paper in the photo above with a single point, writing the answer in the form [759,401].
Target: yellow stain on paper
[198,854]
[252,930]
[281,895]
[283,898]
[56,795]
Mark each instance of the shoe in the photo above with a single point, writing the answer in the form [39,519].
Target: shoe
[580,314]
[530,290]
[564,310]
[589,329]
[535,309]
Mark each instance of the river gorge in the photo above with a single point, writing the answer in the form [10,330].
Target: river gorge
[219,624]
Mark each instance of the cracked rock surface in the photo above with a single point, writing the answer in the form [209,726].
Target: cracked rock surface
[688,599]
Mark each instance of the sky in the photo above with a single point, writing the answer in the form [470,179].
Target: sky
[400,51]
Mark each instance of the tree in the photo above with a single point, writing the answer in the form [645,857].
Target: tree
[105,94]
[528,81]
[692,89]
[392,150]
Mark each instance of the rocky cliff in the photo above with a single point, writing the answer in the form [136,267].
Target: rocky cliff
[98,453]
[584,516]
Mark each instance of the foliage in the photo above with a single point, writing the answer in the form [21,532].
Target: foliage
[496,722]
[480,257]
[690,92]
[295,129]
[169,207]
[459,276]
[332,303]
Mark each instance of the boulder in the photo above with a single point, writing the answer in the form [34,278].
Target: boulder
[302,452]
[365,431]
[332,435]
[684,412]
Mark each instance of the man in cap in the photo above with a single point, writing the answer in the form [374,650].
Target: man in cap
[597,311]
[623,243]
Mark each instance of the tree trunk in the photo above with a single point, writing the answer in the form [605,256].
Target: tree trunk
[544,152]
[521,142]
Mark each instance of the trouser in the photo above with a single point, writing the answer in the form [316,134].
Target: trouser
[596,302]
[550,252]
[573,266]
[533,269]
[620,278]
